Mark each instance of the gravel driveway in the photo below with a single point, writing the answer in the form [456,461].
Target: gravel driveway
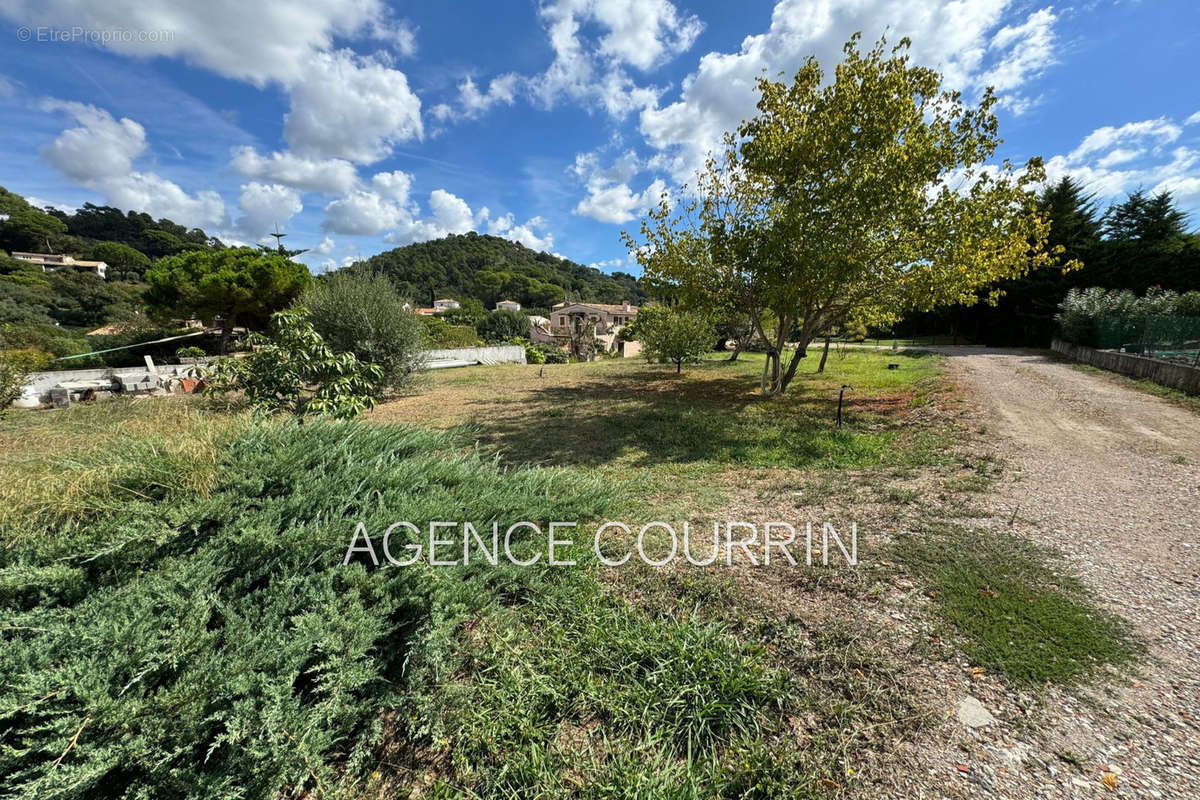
[1109,476]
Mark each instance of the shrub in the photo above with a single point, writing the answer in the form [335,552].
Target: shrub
[363,314]
[190,352]
[15,366]
[295,371]
[552,354]
[502,325]
[441,334]
[215,647]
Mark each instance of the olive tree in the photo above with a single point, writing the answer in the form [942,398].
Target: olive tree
[869,193]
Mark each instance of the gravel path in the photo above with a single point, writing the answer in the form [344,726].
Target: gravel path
[1109,476]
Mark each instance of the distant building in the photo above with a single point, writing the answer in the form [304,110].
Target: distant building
[445,305]
[606,321]
[509,305]
[51,262]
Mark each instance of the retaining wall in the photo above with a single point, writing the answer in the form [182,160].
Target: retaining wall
[1164,373]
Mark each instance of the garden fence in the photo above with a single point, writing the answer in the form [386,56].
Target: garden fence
[1168,337]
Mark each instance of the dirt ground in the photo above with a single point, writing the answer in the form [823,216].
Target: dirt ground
[1110,477]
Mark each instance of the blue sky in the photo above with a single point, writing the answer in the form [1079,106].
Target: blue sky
[359,125]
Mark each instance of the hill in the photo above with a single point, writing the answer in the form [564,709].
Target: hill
[489,268]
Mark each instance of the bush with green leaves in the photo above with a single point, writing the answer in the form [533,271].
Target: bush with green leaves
[190,352]
[672,335]
[502,325]
[294,371]
[552,354]
[441,334]
[363,314]
[15,366]
[1088,316]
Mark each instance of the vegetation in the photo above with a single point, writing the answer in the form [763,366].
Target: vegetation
[503,325]
[242,285]
[1138,244]
[441,334]
[1097,317]
[672,336]
[15,366]
[489,268]
[1020,617]
[294,371]
[866,195]
[366,316]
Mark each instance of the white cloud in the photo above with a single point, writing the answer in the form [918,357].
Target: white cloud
[99,148]
[324,247]
[525,233]
[99,153]
[393,185]
[159,197]
[972,43]
[641,34]
[333,175]
[1193,119]
[1159,131]
[264,205]
[351,107]
[609,197]
[260,42]
[1114,160]
[362,213]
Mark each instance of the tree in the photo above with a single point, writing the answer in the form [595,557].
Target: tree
[503,324]
[870,193]
[124,263]
[83,299]
[366,316]
[673,336]
[1147,219]
[294,371]
[241,285]
[31,230]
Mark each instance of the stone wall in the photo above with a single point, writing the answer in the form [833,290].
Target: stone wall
[1164,373]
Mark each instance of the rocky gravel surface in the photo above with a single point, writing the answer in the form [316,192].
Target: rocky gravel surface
[1110,477]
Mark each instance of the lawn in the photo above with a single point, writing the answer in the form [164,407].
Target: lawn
[179,621]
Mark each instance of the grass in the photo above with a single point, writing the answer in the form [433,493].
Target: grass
[1016,615]
[63,465]
[178,621]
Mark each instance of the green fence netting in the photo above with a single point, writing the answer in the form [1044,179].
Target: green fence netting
[1168,337]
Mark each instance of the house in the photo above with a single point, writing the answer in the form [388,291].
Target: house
[606,321]
[51,262]
[508,305]
[445,305]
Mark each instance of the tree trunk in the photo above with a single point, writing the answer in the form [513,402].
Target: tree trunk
[801,352]
[226,333]
[678,367]
[824,355]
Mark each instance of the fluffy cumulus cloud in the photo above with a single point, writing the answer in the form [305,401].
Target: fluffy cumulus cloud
[333,175]
[265,205]
[350,107]
[385,207]
[260,42]
[609,196]
[99,153]
[636,34]
[1159,155]
[984,42]
[525,233]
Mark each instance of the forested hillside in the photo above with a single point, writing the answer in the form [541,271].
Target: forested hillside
[489,268]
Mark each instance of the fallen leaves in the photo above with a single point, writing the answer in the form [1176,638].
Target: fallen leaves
[1109,780]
